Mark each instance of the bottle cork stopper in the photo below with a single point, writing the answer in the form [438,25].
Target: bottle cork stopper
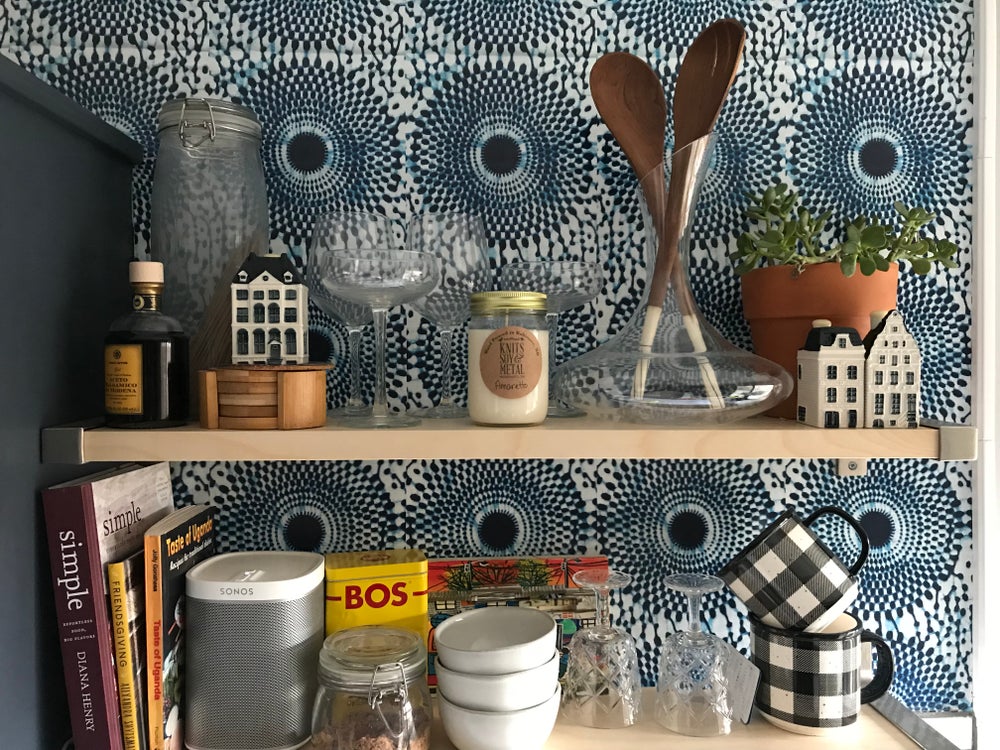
[821,323]
[145,272]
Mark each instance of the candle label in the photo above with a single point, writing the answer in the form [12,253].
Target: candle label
[510,362]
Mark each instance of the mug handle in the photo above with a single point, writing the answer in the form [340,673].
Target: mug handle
[853,523]
[886,667]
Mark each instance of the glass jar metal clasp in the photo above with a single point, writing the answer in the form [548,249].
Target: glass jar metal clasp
[395,692]
[207,128]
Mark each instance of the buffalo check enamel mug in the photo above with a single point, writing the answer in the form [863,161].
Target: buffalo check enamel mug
[810,683]
[789,579]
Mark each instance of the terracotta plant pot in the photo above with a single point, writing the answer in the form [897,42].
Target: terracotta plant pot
[781,305]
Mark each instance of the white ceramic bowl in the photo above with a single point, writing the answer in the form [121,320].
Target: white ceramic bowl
[498,692]
[527,729]
[496,640]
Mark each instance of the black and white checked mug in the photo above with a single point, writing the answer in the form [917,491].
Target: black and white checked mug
[789,579]
[810,683]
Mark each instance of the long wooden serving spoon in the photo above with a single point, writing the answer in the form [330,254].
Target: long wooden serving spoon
[629,98]
[703,82]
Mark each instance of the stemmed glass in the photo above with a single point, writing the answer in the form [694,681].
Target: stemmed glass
[567,284]
[692,692]
[349,232]
[459,243]
[602,687]
[380,279]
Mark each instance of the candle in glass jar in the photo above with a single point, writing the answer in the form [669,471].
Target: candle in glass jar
[508,358]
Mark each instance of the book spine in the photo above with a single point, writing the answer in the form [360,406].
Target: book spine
[82,618]
[128,689]
[154,642]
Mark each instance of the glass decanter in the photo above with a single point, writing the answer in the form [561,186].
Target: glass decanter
[668,365]
[692,695]
[601,687]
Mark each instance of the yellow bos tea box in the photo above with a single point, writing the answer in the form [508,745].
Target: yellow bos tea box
[385,587]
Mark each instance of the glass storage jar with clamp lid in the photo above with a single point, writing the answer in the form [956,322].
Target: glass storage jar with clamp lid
[372,691]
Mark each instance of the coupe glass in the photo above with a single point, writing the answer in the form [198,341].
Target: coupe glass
[602,687]
[692,693]
[380,279]
[567,284]
[459,243]
[351,233]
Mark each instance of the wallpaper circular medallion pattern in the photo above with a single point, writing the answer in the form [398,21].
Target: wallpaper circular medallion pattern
[316,23]
[504,141]
[329,139]
[496,508]
[872,135]
[307,506]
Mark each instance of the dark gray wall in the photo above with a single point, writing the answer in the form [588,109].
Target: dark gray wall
[65,240]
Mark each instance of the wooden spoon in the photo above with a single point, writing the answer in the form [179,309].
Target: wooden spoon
[703,82]
[630,100]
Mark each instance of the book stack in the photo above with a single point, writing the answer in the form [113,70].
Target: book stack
[118,554]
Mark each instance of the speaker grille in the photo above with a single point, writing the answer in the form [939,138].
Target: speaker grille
[251,672]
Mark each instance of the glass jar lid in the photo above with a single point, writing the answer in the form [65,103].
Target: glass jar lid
[209,115]
[485,303]
[364,657]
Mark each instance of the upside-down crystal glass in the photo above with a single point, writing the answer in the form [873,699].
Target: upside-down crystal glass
[601,687]
[692,695]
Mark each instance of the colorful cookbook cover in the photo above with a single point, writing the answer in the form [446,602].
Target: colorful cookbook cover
[173,546]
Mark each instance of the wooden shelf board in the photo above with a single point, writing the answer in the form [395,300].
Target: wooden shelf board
[755,438]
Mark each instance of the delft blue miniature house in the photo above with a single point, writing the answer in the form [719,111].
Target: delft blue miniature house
[830,371]
[892,373]
[269,312]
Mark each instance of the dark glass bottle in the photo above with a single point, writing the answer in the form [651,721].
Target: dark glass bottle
[146,359]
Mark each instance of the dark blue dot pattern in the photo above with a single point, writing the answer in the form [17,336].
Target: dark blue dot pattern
[400,106]
[329,146]
[871,135]
[505,141]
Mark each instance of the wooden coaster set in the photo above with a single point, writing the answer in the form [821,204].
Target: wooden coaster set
[263,397]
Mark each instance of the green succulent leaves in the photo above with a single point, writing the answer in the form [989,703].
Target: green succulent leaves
[788,234]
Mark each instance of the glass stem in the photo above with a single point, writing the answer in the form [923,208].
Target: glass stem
[694,613]
[446,339]
[553,323]
[602,597]
[380,406]
[354,347]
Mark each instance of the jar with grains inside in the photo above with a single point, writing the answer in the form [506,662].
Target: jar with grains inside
[508,358]
[373,692]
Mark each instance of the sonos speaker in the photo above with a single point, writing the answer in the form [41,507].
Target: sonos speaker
[254,630]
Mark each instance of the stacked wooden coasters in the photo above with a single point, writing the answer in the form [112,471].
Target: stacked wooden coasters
[263,397]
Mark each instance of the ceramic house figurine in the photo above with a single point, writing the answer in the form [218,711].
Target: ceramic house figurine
[830,371]
[892,373]
[270,312]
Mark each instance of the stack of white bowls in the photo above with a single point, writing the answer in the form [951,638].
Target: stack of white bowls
[498,678]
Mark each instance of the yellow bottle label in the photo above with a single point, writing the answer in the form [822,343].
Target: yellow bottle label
[123,379]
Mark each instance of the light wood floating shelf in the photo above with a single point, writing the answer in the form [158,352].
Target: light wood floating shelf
[760,437]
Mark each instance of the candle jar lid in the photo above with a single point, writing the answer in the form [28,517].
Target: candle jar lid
[486,303]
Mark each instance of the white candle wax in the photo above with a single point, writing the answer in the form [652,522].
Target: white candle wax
[486,405]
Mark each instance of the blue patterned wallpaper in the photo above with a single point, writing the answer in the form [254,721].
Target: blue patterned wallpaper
[401,106]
